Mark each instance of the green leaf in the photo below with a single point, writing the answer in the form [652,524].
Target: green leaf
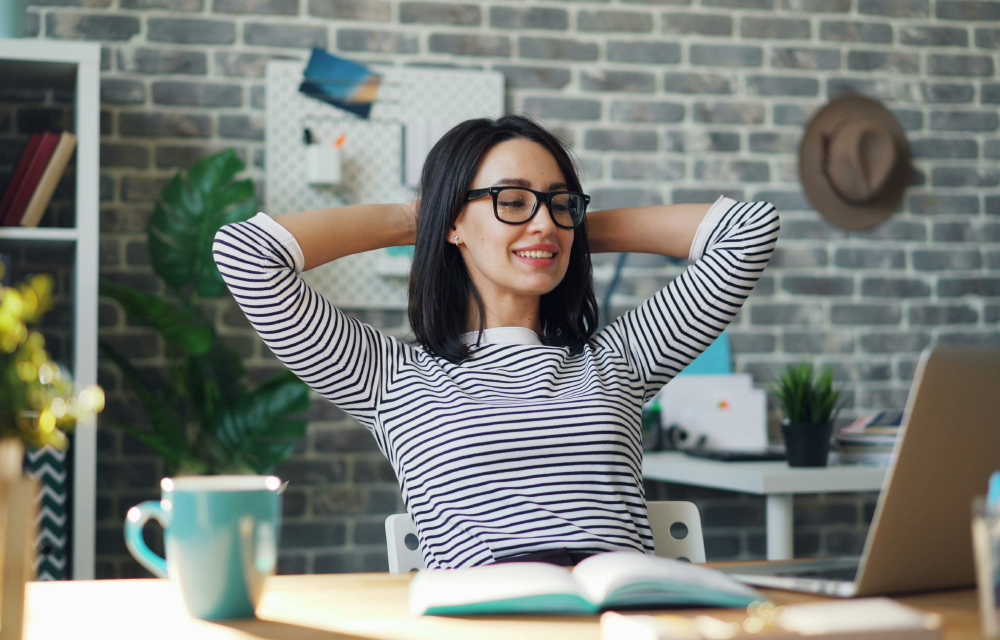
[256,431]
[180,326]
[191,208]
[806,397]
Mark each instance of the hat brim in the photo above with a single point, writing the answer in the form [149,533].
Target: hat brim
[829,205]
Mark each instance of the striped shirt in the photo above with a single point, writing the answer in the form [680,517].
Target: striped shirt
[523,447]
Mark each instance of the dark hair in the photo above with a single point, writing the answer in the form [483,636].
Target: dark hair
[440,285]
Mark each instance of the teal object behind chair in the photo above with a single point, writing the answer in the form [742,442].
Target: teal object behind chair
[221,535]
[716,359]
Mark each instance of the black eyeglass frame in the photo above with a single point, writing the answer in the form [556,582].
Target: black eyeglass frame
[540,196]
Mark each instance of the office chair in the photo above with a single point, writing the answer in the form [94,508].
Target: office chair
[676,530]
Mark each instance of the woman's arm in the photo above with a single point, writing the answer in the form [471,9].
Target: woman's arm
[666,230]
[328,234]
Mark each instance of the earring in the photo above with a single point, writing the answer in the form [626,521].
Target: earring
[456,241]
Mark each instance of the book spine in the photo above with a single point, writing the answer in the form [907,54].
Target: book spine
[15,180]
[32,175]
[50,180]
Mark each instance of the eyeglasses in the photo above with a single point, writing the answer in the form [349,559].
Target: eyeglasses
[518,205]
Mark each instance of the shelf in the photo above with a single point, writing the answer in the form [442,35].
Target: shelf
[26,64]
[38,234]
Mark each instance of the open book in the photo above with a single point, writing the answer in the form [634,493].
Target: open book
[621,579]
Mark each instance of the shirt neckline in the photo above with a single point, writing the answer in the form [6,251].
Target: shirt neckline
[504,335]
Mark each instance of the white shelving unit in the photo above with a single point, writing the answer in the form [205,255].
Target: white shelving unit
[47,64]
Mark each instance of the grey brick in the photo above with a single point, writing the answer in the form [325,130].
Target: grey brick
[556,49]
[784,200]
[810,229]
[895,288]
[944,148]
[818,285]
[731,171]
[752,342]
[775,28]
[991,313]
[981,286]
[897,62]
[804,58]
[619,140]
[376,41]
[895,8]
[439,13]
[141,189]
[470,45]
[197,94]
[638,169]
[817,6]
[696,83]
[534,77]
[842,31]
[909,119]
[241,65]
[190,31]
[169,156]
[991,149]
[528,18]
[898,342]
[988,38]
[81,26]
[258,97]
[862,314]
[124,155]
[151,61]
[774,142]
[934,204]
[790,114]
[739,4]
[614,22]
[730,113]
[700,140]
[965,177]
[795,257]
[966,232]
[937,260]
[990,93]
[785,314]
[644,52]
[368,10]
[265,7]
[122,91]
[145,124]
[610,198]
[858,258]
[312,534]
[967,10]
[704,24]
[946,92]
[816,342]
[968,338]
[683,196]
[170,5]
[563,108]
[991,205]
[924,36]
[283,35]
[879,89]
[646,111]
[626,81]
[726,55]
[782,86]
[242,127]
[939,64]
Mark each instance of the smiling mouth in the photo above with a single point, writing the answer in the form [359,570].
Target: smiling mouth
[534,254]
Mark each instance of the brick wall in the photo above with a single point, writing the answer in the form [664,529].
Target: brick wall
[664,101]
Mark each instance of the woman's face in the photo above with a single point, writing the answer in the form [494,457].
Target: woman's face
[514,259]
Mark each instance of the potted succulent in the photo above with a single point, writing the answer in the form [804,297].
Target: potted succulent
[203,416]
[810,404]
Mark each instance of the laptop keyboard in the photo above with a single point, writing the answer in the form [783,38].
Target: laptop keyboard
[845,574]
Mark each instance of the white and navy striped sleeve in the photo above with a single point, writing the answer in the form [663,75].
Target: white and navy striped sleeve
[663,335]
[346,361]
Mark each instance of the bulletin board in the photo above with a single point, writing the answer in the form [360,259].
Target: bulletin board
[372,161]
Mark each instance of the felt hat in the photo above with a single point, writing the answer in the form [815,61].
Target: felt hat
[854,162]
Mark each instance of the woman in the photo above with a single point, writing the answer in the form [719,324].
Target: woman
[513,428]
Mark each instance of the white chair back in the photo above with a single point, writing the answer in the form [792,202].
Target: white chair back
[403,544]
[676,530]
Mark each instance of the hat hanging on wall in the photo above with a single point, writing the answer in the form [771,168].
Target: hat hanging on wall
[854,162]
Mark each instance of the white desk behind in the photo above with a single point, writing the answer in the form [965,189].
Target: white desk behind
[775,480]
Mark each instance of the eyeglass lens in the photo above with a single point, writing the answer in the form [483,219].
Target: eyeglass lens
[516,205]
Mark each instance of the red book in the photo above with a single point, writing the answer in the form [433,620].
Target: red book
[15,179]
[32,175]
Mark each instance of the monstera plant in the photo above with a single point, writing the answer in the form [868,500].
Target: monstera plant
[203,417]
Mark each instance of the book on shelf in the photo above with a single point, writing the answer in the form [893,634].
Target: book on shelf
[35,178]
[620,579]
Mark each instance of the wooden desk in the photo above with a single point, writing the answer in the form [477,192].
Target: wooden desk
[342,607]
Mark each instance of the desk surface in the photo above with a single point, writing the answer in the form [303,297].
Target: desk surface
[759,477]
[343,607]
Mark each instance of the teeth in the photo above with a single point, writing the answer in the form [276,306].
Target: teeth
[534,254]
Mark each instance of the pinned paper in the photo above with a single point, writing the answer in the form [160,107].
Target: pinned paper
[343,83]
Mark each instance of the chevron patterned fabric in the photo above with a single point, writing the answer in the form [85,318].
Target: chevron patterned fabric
[48,467]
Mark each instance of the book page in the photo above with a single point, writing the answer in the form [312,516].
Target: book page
[612,578]
[514,587]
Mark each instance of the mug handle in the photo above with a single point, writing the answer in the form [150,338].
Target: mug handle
[135,520]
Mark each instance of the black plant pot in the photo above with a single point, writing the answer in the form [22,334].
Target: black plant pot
[806,445]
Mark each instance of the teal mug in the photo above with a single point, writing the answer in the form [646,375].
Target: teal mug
[221,539]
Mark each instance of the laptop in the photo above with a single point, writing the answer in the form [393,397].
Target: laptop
[920,537]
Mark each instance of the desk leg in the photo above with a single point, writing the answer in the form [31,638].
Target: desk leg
[780,532]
